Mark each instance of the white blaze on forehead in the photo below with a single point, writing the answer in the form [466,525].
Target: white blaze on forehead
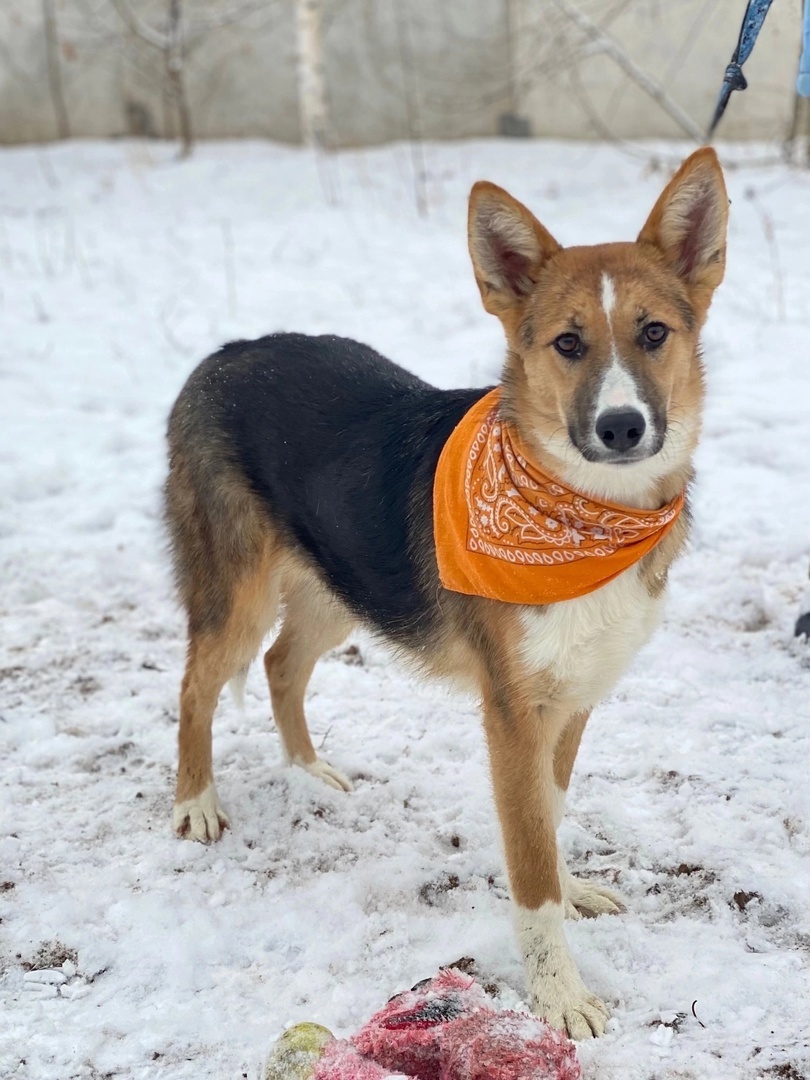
[608,295]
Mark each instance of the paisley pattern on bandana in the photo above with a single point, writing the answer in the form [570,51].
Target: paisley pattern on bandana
[506,530]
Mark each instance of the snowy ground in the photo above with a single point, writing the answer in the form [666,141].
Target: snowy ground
[119,270]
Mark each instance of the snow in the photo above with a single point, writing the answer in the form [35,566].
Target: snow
[120,269]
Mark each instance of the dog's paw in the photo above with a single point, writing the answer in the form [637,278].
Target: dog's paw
[326,772]
[574,1010]
[557,991]
[588,900]
[583,898]
[201,818]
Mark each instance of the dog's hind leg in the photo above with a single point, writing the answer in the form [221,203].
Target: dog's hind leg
[197,812]
[217,654]
[314,622]
[227,564]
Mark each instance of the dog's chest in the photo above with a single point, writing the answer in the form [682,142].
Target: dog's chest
[585,645]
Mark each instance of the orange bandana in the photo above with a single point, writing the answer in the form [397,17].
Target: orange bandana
[506,530]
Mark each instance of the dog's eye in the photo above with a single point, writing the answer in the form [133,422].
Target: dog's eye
[569,345]
[653,335]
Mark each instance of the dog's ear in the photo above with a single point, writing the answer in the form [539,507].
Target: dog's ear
[688,223]
[508,245]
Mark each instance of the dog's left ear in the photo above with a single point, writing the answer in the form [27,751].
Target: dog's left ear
[688,223]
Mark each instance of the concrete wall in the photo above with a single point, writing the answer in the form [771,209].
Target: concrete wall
[429,68]
[685,45]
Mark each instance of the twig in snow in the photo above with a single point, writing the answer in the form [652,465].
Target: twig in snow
[164,313]
[769,233]
[229,261]
[45,164]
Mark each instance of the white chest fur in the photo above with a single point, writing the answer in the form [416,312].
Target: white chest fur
[586,644]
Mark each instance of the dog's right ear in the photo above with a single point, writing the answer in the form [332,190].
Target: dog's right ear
[508,246]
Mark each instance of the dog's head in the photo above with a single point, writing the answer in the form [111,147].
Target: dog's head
[603,373]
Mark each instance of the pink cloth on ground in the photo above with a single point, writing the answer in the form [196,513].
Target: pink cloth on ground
[506,1046]
[404,1036]
[341,1061]
[446,1029]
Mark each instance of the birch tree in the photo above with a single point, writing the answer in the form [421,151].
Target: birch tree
[311,76]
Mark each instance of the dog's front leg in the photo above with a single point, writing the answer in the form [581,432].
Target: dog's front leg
[580,897]
[521,739]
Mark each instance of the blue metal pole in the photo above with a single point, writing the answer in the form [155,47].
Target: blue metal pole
[803,81]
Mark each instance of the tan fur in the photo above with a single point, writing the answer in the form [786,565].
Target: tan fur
[314,621]
[537,692]
[521,751]
[217,655]
[567,748]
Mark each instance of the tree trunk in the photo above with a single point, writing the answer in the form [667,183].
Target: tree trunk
[175,75]
[55,69]
[797,142]
[311,76]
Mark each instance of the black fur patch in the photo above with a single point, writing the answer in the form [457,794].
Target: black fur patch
[340,445]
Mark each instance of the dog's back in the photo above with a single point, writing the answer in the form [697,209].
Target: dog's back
[332,445]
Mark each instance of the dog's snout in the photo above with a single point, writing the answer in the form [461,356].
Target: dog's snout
[621,429]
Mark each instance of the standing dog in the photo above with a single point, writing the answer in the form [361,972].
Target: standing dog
[304,474]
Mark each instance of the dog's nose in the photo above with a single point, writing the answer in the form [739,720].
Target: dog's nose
[621,430]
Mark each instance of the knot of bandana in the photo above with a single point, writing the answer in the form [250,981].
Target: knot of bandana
[506,530]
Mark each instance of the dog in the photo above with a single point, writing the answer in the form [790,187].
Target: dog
[305,477]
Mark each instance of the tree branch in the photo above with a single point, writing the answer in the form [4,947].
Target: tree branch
[640,77]
[196,30]
[138,27]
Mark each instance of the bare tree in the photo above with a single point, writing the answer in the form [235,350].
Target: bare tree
[175,75]
[311,77]
[412,112]
[55,69]
[511,122]
[172,44]
[176,43]
[607,44]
